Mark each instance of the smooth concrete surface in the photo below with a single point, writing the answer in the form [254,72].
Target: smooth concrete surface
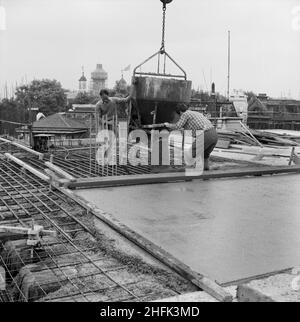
[227,229]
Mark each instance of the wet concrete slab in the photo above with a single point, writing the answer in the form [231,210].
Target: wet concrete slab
[227,229]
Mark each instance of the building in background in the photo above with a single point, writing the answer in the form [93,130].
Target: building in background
[269,113]
[123,84]
[240,104]
[98,80]
[121,87]
[54,129]
[82,82]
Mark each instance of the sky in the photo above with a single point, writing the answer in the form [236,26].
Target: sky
[54,38]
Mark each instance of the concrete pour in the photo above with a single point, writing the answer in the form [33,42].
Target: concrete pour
[226,229]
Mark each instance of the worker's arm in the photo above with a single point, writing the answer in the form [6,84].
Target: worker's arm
[119,100]
[98,108]
[125,99]
[179,125]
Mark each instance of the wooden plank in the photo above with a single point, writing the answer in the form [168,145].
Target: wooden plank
[27,167]
[5,237]
[166,258]
[223,144]
[282,151]
[23,147]
[257,277]
[55,180]
[53,176]
[177,176]
[60,171]
[25,230]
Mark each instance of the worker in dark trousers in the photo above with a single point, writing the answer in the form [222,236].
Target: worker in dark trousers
[191,120]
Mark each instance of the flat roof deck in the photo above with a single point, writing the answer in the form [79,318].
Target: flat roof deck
[228,229]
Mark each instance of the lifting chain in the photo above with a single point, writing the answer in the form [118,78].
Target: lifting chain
[162,48]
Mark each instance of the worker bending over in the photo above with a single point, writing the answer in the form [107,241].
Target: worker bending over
[109,106]
[190,120]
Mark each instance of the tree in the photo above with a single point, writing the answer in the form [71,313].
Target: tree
[221,98]
[85,98]
[206,96]
[121,88]
[249,95]
[10,113]
[47,95]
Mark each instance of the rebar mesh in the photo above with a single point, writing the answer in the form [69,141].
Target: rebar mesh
[68,267]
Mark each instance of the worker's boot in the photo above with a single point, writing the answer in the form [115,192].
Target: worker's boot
[206,164]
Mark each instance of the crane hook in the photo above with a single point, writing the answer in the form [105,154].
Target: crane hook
[165,2]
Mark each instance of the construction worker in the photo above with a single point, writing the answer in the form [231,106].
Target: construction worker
[191,120]
[109,106]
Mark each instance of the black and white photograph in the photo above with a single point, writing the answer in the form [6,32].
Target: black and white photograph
[149,154]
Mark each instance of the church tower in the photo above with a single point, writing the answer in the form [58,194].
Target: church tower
[98,79]
[82,82]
